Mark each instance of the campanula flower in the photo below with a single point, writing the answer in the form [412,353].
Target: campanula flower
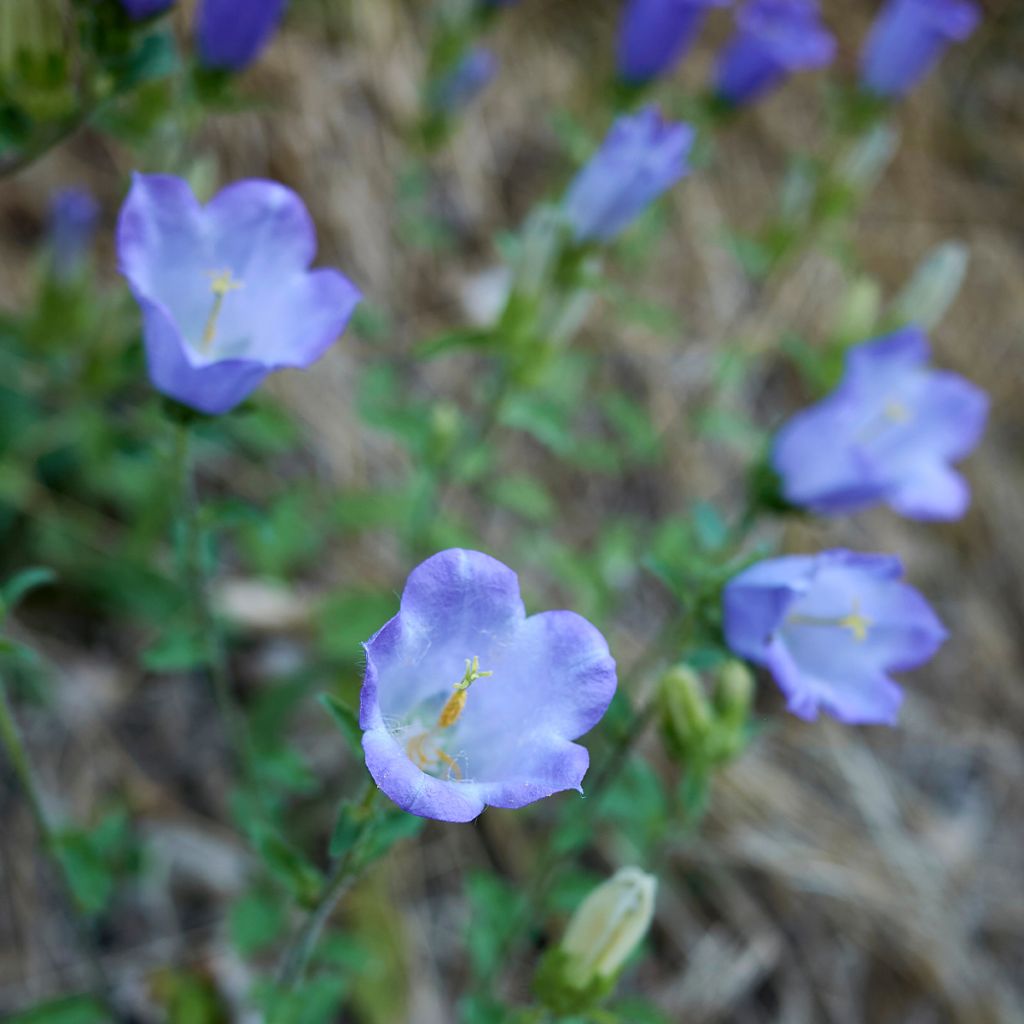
[654,35]
[888,434]
[139,9]
[908,37]
[226,292]
[468,702]
[830,628]
[773,39]
[232,34]
[73,218]
[641,157]
[458,87]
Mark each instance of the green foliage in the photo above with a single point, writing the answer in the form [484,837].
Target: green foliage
[74,1010]
[95,858]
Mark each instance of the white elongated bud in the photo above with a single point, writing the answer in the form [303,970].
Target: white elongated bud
[607,926]
[932,289]
[866,160]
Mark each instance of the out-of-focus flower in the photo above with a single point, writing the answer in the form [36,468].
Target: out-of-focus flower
[232,34]
[830,628]
[773,39]
[654,35]
[607,926]
[888,433]
[73,218]
[139,9]
[226,292]
[467,702]
[641,157]
[461,85]
[908,37]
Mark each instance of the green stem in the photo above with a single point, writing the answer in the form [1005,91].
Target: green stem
[14,747]
[198,585]
[343,874]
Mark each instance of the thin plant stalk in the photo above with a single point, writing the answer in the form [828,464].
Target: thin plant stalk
[17,755]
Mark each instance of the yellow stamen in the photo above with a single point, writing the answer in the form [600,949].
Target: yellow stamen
[222,283]
[457,701]
[896,411]
[856,623]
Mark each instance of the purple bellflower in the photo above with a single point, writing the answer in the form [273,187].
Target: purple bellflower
[655,34]
[908,37]
[73,218]
[641,157]
[139,9]
[226,292]
[773,39]
[233,33]
[888,433]
[830,628]
[462,84]
[467,702]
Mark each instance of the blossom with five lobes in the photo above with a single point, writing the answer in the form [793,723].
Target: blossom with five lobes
[830,628]
[908,37]
[655,34]
[641,157]
[232,34]
[225,289]
[773,39]
[888,433]
[467,702]
[139,9]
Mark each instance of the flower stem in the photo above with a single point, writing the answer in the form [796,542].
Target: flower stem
[198,585]
[14,748]
[343,874]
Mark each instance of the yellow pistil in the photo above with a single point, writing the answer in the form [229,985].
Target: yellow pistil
[896,411]
[222,283]
[856,623]
[457,701]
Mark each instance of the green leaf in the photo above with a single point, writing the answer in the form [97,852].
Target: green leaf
[525,496]
[345,719]
[288,865]
[23,582]
[347,829]
[255,922]
[178,650]
[76,1010]
[386,832]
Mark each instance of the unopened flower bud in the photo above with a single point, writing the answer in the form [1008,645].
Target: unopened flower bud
[607,927]
[932,289]
[686,716]
[858,312]
[734,694]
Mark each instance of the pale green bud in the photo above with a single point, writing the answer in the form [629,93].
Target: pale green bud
[734,695]
[686,715]
[932,289]
[607,927]
[859,311]
[866,160]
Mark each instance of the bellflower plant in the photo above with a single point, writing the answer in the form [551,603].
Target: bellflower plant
[773,39]
[462,84]
[232,34]
[655,34]
[888,433]
[908,37]
[467,702]
[830,628]
[139,9]
[226,292]
[641,157]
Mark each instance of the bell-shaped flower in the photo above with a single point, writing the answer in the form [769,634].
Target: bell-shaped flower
[74,214]
[467,702]
[226,292]
[458,87]
[232,34]
[830,628]
[655,34]
[888,433]
[139,9]
[908,38]
[773,39]
[641,157]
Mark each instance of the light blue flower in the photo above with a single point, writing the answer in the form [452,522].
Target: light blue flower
[226,292]
[641,157]
[233,33]
[467,701]
[773,39]
[908,37]
[889,433]
[830,628]
[654,35]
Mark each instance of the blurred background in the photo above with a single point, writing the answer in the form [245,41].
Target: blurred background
[840,875]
